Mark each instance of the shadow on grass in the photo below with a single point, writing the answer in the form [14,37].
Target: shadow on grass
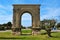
[11,38]
[46,33]
[22,36]
[43,33]
[55,36]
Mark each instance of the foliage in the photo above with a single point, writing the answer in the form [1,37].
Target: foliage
[5,26]
[46,22]
[30,27]
[9,25]
[58,25]
[23,27]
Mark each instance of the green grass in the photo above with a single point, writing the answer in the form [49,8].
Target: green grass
[26,31]
[9,36]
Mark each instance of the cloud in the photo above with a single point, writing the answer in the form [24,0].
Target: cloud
[50,9]
[5,18]
[5,14]
[51,13]
[50,3]
[26,20]
[1,6]
[26,16]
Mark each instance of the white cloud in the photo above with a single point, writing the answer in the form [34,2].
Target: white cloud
[1,6]
[5,18]
[51,9]
[26,16]
[5,14]
[51,13]
[7,8]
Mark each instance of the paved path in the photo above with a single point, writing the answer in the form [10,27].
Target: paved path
[55,30]
[6,31]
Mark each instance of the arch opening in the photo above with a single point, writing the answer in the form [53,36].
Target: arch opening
[26,23]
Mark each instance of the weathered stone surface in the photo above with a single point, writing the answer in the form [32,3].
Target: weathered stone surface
[18,10]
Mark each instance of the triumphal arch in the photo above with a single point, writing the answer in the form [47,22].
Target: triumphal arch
[18,10]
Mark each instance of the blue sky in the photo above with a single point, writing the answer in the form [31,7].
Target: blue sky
[49,9]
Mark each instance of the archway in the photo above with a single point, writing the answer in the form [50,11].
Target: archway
[18,10]
[26,23]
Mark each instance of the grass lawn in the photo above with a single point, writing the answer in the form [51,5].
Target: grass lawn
[9,36]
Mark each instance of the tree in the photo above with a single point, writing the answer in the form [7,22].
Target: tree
[47,25]
[2,26]
[23,27]
[42,25]
[58,25]
[30,27]
[52,23]
[9,25]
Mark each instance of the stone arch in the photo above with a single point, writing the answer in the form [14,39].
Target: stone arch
[18,10]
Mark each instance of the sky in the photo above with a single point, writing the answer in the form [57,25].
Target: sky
[49,9]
